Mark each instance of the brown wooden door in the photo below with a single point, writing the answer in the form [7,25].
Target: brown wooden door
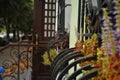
[44,27]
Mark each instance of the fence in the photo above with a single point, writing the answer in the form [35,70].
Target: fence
[17,61]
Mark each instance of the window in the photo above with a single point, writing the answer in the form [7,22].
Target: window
[53,20]
[46,0]
[45,13]
[53,33]
[45,27]
[53,6]
[49,27]
[46,6]
[45,33]
[49,13]
[53,13]
[49,20]
[53,27]
[50,6]
[45,20]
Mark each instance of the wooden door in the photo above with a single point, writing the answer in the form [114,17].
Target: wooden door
[44,28]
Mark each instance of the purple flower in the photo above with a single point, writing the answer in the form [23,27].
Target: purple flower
[104,24]
[115,12]
[114,7]
[118,30]
[119,55]
[110,17]
[116,17]
[118,48]
[115,26]
[117,33]
[116,43]
[103,18]
[111,24]
[114,2]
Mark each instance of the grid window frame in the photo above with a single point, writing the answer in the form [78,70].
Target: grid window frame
[49,22]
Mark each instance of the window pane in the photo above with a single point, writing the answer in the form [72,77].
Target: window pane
[46,6]
[45,20]
[53,6]
[46,0]
[53,20]
[45,27]
[49,13]
[48,33]
[49,6]
[50,0]
[49,20]
[53,33]
[45,13]
[49,27]
[54,1]
[45,33]
[53,27]
[53,14]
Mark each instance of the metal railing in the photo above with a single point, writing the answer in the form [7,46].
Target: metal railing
[16,59]
[60,65]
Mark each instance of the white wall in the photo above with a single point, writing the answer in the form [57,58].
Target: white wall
[73,22]
[73,26]
[67,15]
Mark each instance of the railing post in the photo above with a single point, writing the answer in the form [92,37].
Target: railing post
[19,56]
[18,67]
